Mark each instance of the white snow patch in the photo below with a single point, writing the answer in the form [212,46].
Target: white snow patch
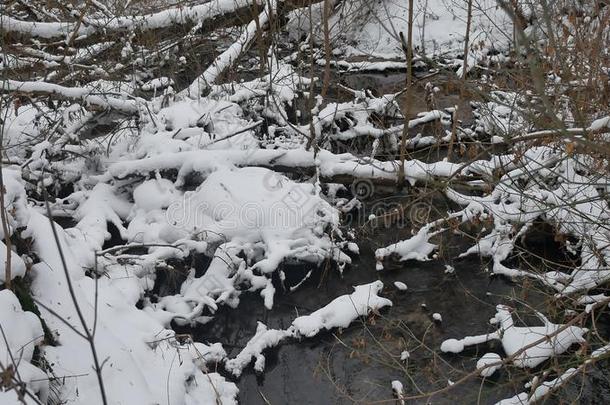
[489,360]
[516,338]
[263,339]
[400,285]
[399,391]
[343,310]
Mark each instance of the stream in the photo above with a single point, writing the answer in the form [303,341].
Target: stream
[358,364]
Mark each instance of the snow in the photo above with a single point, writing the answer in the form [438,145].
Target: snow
[457,346]
[400,285]
[236,211]
[17,264]
[224,60]
[515,338]
[15,201]
[75,93]
[438,29]
[21,333]
[339,313]
[372,30]
[399,392]
[343,310]
[415,248]
[366,66]
[157,83]
[600,124]
[255,210]
[154,194]
[545,387]
[161,19]
[518,201]
[225,170]
[263,339]
[139,351]
[526,346]
[519,399]
[489,363]
[501,117]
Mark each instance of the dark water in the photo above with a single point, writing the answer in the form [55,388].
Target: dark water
[357,365]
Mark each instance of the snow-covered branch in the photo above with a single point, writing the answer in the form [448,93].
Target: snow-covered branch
[88,96]
[162,19]
[233,52]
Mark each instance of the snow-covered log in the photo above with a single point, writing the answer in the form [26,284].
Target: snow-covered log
[162,19]
[331,166]
[342,311]
[230,56]
[524,345]
[88,96]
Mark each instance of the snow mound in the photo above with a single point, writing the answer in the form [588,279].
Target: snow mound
[343,310]
[415,248]
[263,339]
[515,338]
[251,219]
[257,205]
[21,333]
[488,363]
[546,341]
[188,125]
[399,391]
[400,285]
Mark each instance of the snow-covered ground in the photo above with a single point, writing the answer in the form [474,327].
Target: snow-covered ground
[367,35]
[439,27]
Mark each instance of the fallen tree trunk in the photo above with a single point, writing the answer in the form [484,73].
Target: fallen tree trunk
[344,168]
[146,22]
[232,54]
[89,96]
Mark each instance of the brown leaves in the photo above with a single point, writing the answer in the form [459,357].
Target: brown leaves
[7,377]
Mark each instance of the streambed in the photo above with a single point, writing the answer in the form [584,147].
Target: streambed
[358,364]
